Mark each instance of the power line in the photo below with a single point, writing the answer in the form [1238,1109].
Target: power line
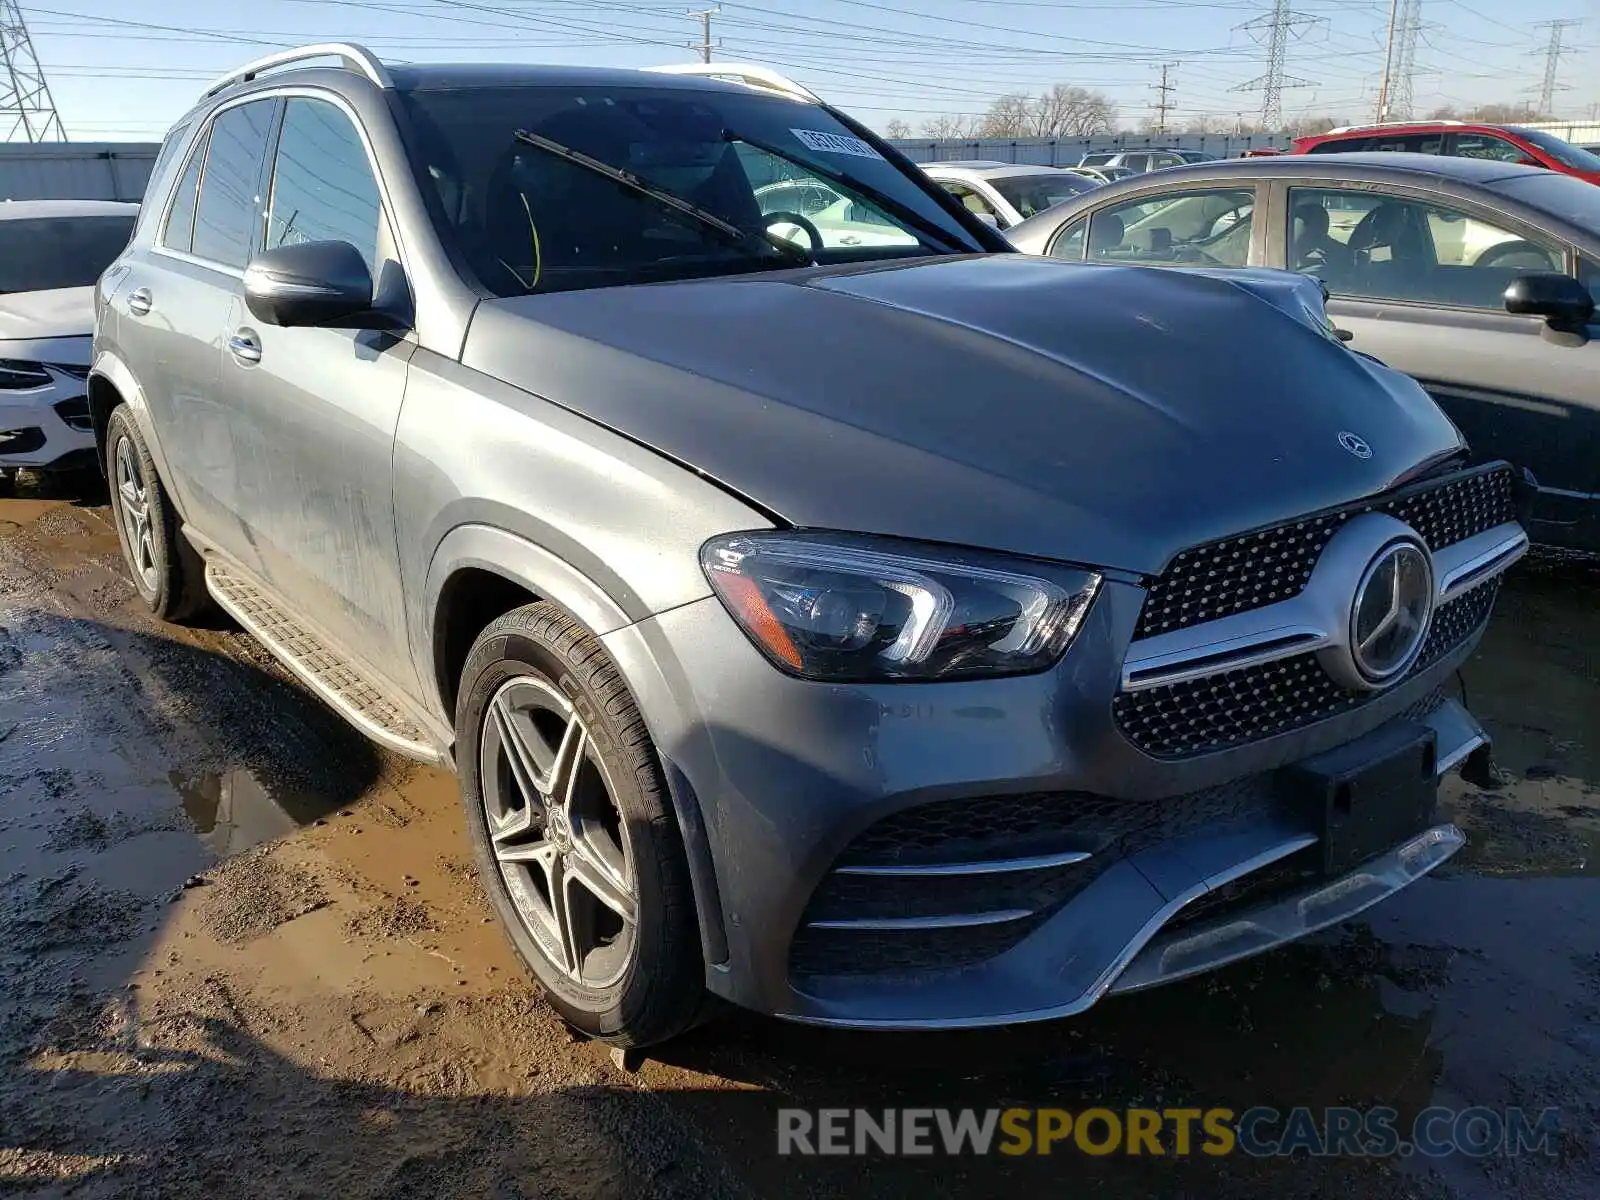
[25,102]
[1163,106]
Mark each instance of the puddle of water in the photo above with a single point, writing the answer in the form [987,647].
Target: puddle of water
[234,811]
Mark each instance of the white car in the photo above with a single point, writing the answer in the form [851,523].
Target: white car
[837,219]
[51,254]
[1007,192]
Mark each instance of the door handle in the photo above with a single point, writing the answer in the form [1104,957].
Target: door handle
[244,347]
[140,301]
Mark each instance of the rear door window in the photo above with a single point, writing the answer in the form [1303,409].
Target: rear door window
[228,215]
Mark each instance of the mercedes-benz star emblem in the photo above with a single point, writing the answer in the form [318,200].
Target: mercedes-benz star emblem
[1356,445]
[1389,617]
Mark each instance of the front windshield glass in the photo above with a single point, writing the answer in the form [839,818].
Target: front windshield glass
[528,220]
[1563,152]
[1030,194]
[43,253]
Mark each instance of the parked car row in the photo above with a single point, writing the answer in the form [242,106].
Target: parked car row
[825,607]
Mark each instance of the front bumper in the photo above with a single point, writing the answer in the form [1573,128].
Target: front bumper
[47,426]
[776,779]
[990,851]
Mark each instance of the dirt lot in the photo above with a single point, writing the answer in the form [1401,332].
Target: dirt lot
[242,954]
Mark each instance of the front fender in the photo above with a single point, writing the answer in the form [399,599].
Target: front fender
[519,560]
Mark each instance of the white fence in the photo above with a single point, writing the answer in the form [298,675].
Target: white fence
[75,170]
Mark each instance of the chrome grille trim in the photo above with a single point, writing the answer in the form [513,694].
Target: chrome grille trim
[1315,618]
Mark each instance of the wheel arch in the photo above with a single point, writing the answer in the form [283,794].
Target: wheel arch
[480,572]
[112,383]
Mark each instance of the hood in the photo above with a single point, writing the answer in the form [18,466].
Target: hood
[1099,414]
[62,312]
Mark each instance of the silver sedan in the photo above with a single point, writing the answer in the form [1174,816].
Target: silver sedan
[1478,278]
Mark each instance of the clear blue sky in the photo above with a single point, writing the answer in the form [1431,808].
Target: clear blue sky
[124,72]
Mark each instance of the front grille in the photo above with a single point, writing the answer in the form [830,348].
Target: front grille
[1264,566]
[1231,709]
[988,828]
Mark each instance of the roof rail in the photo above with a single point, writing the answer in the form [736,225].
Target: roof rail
[351,56]
[1391,125]
[764,78]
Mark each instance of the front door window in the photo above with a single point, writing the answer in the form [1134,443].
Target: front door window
[1390,247]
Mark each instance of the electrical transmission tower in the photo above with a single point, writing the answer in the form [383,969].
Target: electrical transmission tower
[1395,94]
[1164,89]
[704,45]
[1552,62]
[25,104]
[1276,29]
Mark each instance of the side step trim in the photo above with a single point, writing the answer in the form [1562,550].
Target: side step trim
[337,681]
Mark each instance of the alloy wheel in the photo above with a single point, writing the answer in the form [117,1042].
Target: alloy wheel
[557,833]
[134,503]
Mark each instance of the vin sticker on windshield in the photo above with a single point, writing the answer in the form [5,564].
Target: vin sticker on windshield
[834,143]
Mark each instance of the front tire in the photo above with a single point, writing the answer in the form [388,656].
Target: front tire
[167,573]
[573,829]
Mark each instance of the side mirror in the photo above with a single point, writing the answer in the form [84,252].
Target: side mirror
[312,283]
[989,219]
[1560,299]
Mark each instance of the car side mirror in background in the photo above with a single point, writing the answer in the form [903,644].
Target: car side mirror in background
[1560,299]
[989,219]
[312,283]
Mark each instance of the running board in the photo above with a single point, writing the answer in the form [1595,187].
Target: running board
[336,680]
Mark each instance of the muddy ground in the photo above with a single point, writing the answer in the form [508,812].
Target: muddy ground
[242,953]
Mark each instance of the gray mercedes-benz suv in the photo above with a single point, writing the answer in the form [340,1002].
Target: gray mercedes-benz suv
[904,633]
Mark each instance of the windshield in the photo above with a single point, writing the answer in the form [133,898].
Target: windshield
[1563,152]
[41,253]
[1564,196]
[527,220]
[1030,194]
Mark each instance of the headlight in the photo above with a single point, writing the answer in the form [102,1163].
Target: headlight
[852,609]
[15,376]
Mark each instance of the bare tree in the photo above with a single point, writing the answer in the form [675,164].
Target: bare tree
[896,129]
[1299,127]
[1010,116]
[1066,111]
[1063,111]
[950,125]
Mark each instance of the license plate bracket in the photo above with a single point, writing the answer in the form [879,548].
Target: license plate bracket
[1367,796]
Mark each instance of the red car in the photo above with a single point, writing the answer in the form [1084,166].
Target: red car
[1460,139]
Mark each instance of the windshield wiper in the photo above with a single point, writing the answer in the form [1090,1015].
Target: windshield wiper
[889,204]
[633,183]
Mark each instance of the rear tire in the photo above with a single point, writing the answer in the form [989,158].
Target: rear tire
[166,571]
[573,829]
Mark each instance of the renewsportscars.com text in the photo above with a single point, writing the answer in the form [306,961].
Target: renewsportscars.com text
[1258,1132]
